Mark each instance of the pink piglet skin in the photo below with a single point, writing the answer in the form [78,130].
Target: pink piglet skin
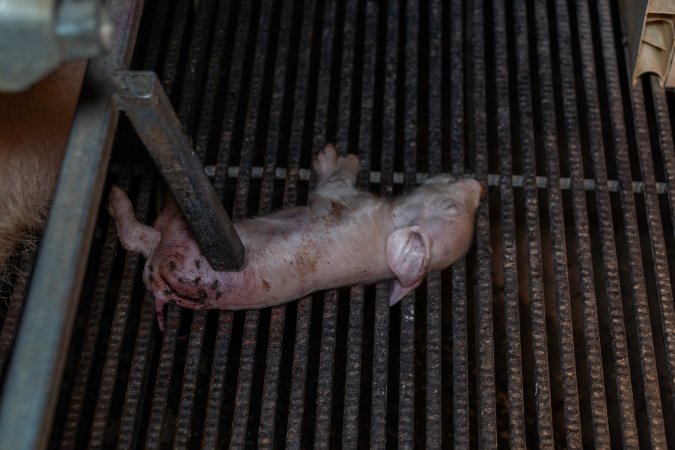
[342,237]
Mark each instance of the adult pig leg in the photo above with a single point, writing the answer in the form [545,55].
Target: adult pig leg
[34,129]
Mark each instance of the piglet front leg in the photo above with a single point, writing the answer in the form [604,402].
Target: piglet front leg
[135,236]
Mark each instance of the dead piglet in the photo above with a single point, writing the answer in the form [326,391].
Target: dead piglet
[343,237]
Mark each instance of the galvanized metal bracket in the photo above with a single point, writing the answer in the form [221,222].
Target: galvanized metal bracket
[141,96]
[37,35]
[649,26]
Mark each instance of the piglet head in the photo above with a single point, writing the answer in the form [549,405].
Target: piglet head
[433,227]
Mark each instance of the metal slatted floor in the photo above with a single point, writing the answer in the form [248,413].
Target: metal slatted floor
[556,330]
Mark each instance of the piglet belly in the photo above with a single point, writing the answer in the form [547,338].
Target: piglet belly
[287,272]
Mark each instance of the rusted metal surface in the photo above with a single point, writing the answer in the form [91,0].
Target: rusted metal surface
[535,285]
[484,336]
[555,330]
[509,269]
[567,364]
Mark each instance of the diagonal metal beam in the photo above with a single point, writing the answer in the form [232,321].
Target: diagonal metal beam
[141,96]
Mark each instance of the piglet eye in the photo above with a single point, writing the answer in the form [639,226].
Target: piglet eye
[447,205]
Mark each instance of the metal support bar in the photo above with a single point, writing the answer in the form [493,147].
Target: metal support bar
[142,98]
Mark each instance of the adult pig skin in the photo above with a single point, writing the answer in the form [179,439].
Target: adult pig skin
[343,237]
[34,129]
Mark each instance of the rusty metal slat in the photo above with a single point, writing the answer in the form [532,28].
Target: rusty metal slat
[164,373]
[236,87]
[487,426]
[350,430]
[434,316]
[406,394]
[434,389]
[406,418]
[665,133]
[459,409]
[249,340]
[324,390]
[378,413]
[138,376]
[196,64]
[457,116]
[648,363]
[640,307]
[170,66]
[346,76]
[217,380]
[326,363]
[117,331]
[655,224]
[535,277]
[243,392]
[154,43]
[271,382]
[173,313]
[254,107]
[248,148]
[299,373]
[352,390]
[10,323]
[304,309]
[213,78]
[324,77]
[270,386]
[188,387]
[460,365]
[435,77]
[557,224]
[164,377]
[514,361]
[86,358]
[277,118]
[215,397]
[378,419]
[598,408]
[212,413]
[322,418]
[666,149]
[350,423]
[196,58]
[278,313]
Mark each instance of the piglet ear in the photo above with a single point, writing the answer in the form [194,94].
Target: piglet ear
[408,255]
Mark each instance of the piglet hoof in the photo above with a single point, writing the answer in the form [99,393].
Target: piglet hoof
[348,165]
[325,163]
